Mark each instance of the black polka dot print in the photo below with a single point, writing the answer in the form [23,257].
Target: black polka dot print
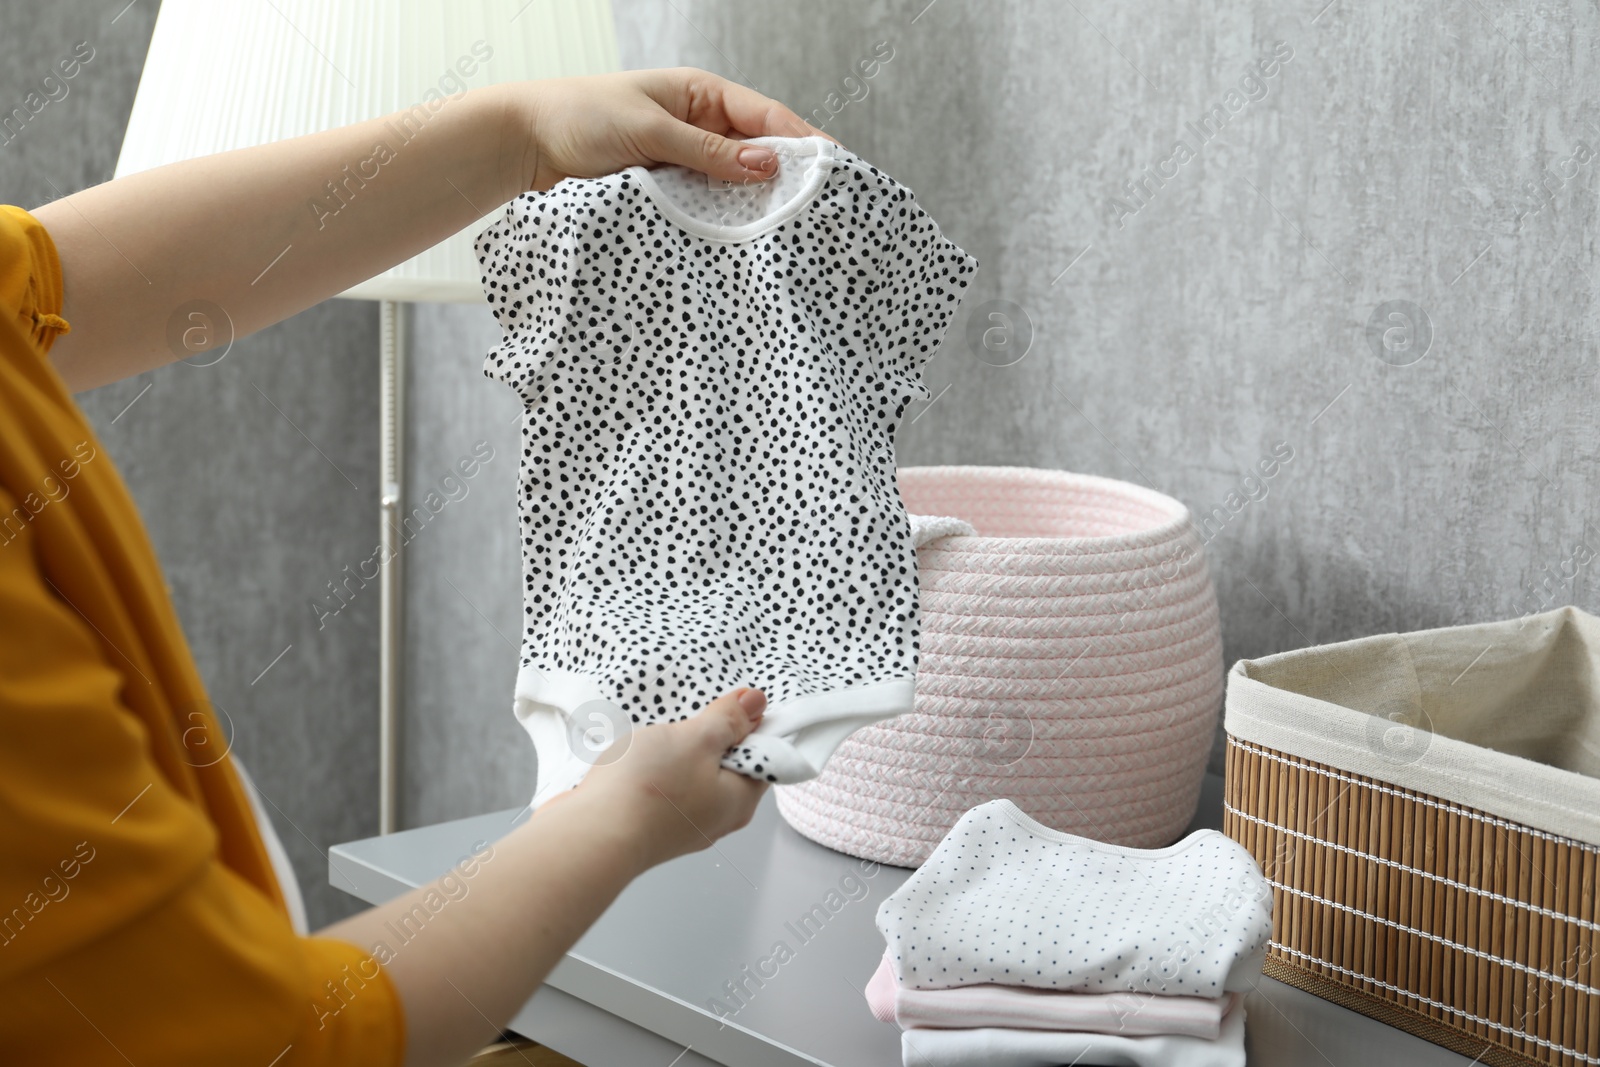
[1006,900]
[714,374]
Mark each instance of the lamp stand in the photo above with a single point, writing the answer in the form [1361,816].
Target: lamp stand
[391,678]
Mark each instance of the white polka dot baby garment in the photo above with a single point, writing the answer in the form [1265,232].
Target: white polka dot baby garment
[714,374]
[1004,899]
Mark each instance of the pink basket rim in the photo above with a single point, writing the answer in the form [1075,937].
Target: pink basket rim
[1177,524]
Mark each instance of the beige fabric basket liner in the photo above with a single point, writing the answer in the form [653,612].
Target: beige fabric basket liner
[1503,717]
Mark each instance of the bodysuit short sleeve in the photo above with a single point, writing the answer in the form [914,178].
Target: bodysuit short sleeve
[923,275]
[536,292]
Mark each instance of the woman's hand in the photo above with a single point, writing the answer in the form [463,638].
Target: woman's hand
[136,252]
[535,892]
[586,127]
[666,784]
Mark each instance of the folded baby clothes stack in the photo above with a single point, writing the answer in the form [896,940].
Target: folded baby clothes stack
[1016,945]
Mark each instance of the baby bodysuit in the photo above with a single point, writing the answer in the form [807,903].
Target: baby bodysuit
[714,373]
[1004,899]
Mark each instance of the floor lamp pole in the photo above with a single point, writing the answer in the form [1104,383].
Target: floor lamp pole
[392,347]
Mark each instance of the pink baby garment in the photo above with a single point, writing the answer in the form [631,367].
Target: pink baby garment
[973,1006]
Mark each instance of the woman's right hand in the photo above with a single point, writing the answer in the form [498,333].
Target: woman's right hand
[667,783]
[583,127]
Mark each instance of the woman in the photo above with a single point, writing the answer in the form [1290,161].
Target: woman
[140,921]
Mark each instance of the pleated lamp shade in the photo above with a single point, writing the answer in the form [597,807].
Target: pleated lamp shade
[222,75]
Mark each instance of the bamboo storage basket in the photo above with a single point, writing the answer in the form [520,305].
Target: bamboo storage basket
[1427,809]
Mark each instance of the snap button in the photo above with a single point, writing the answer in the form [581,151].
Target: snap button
[596,727]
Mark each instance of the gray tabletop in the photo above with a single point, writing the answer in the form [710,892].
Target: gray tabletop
[685,969]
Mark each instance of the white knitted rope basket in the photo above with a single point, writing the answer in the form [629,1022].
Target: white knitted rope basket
[1070,659]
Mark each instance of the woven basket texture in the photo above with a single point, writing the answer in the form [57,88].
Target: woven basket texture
[1070,659]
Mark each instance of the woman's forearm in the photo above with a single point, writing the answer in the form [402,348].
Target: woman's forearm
[480,956]
[266,232]
[263,233]
[496,926]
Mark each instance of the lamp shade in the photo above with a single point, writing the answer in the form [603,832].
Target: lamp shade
[225,75]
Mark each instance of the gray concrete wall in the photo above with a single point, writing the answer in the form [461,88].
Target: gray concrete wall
[463,751]
[1177,338]
[257,476]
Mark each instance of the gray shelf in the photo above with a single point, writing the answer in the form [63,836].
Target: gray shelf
[638,988]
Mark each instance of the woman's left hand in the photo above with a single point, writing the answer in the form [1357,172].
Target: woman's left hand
[588,126]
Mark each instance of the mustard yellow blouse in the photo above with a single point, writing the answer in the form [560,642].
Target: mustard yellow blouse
[140,921]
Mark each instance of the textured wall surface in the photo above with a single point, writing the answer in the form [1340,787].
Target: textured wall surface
[464,752]
[1177,334]
[257,476]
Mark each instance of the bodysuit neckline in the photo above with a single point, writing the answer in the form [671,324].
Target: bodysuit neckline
[820,151]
